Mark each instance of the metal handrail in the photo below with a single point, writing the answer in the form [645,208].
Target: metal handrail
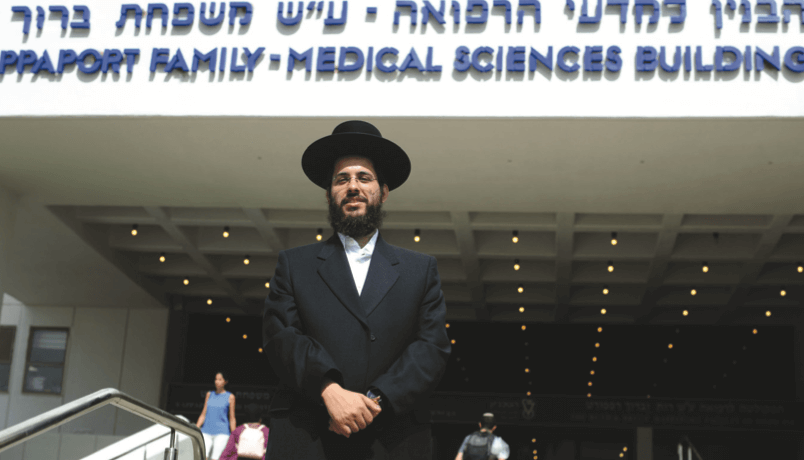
[35,426]
[119,453]
[691,447]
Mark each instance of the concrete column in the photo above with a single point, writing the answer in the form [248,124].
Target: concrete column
[8,210]
[644,443]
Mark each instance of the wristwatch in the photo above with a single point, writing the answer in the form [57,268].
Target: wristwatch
[374,397]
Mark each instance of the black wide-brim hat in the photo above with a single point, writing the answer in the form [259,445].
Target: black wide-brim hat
[356,138]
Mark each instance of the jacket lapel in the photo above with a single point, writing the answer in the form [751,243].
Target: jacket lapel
[337,274]
[381,276]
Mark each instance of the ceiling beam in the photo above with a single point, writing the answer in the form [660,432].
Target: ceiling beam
[671,223]
[195,254]
[752,268]
[265,228]
[565,236]
[98,240]
[471,264]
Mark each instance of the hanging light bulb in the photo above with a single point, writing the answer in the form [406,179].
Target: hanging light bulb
[516,264]
[186,281]
[134,230]
[162,257]
[685,313]
[228,320]
[600,329]
[783,292]
[800,267]
[209,301]
[597,345]
[515,237]
[592,372]
[694,291]
[590,383]
[245,336]
[226,232]
[417,235]
[524,327]
[614,238]
[522,309]
[268,283]
[670,346]
[319,235]
[768,313]
[605,290]
[246,260]
[755,331]
[705,267]
[594,359]
[588,395]
[520,289]
[611,266]
[527,371]
[602,311]
[260,350]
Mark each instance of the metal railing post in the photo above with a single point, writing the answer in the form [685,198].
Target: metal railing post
[172,453]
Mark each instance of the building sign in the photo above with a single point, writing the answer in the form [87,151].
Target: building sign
[188,400]
[641,48]
[621,412]
[569,58]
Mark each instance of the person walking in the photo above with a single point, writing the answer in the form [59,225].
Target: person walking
[249,440]
[483,444]
[354,327]
[217,420]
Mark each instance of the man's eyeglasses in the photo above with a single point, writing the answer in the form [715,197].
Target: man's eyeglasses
[343,179]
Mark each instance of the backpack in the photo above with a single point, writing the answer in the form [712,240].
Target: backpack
[478,447]
[251,443]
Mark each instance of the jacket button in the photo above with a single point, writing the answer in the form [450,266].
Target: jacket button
[373,338]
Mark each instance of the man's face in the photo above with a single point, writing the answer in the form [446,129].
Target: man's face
[355,198]
[355,186]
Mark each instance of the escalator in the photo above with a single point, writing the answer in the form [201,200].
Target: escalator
[172,438]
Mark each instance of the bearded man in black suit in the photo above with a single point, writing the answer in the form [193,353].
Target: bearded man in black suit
[354,326]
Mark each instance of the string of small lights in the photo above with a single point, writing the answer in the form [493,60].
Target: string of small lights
[594,365]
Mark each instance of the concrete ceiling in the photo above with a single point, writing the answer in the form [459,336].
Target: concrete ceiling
[565,184]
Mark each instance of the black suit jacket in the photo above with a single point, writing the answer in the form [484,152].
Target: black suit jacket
[391,338]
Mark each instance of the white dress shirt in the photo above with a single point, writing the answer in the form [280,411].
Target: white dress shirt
[359,258]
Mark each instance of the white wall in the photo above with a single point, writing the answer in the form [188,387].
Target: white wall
[8,210]
[107,347]
[271,91]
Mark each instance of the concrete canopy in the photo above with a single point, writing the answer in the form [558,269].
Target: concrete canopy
[565,184]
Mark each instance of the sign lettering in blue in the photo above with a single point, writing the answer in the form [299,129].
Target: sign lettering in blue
[567,58]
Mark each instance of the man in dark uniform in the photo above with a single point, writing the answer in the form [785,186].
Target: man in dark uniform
[354,327]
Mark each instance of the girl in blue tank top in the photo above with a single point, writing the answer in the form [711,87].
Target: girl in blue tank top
[217,420]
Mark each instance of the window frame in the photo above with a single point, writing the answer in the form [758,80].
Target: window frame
[11,354]
[28,362]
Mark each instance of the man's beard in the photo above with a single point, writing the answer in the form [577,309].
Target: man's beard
[358,226]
